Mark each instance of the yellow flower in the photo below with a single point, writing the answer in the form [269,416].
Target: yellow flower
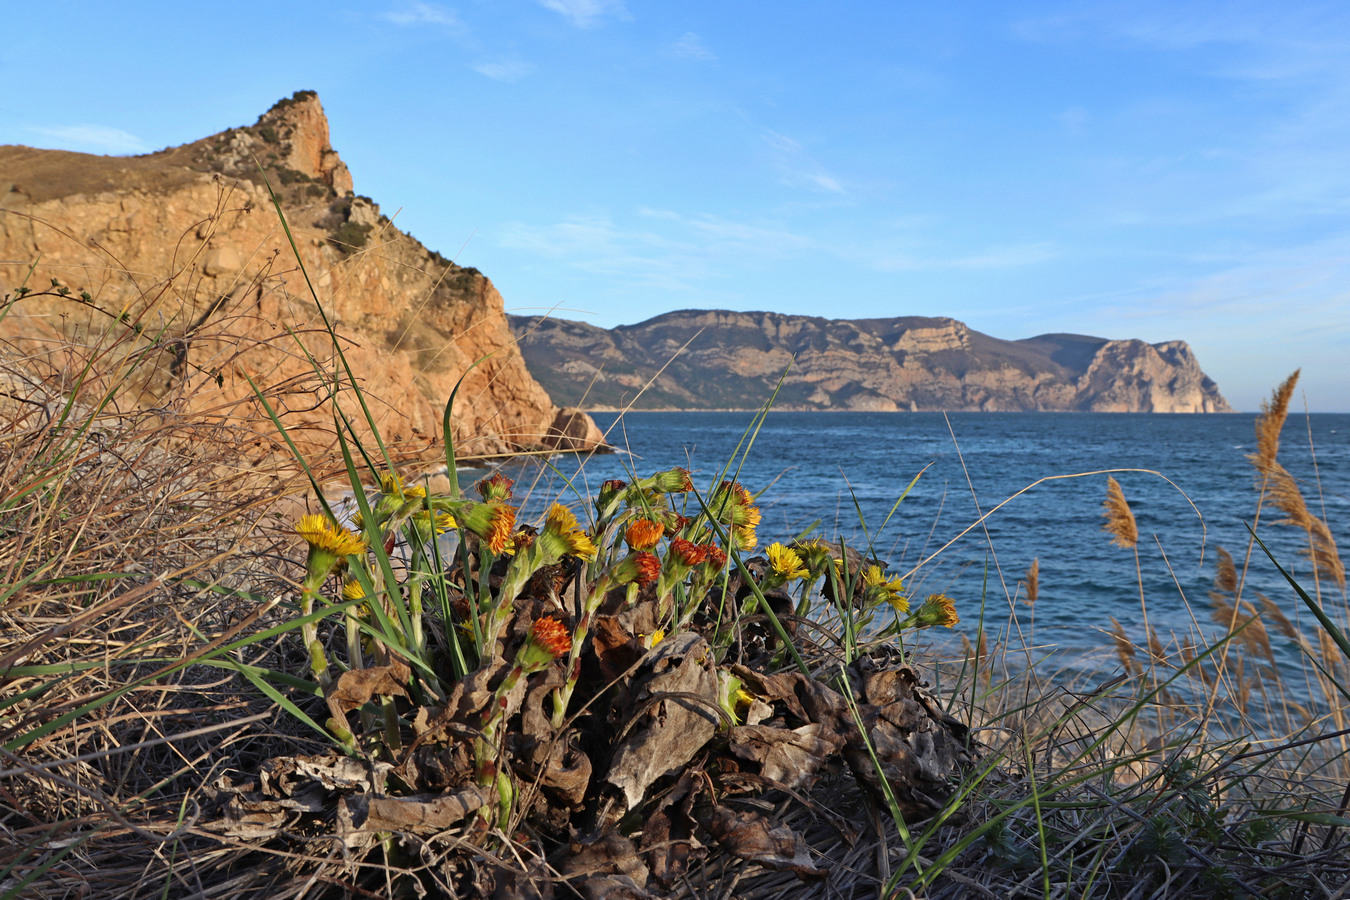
[329,546]
[562,535]
[785,563]
[493,522]
[877,588]
[430,524]
[352,590]
[938,609]
[323,532]
[745,538]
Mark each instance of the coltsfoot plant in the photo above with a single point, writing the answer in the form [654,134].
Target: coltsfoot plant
[581,679]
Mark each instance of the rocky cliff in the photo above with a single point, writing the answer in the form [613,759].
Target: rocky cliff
[178,262]
[728,360]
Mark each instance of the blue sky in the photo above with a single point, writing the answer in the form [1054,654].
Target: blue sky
[1159,170]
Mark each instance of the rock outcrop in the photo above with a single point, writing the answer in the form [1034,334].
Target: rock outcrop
[700,359]
[177,260]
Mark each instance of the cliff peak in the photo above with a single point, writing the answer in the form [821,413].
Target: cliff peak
[298,127]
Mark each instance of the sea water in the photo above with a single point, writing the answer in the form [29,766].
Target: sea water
[998,490]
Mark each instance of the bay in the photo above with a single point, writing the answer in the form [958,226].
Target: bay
[1186,478]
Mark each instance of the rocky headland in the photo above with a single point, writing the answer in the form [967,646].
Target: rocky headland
[177,260]
[715,359]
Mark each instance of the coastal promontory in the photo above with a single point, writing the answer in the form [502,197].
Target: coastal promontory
[716,359]
[177,265]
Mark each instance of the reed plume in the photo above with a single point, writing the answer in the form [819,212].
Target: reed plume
[1124,649]
[1120,522]
[1033,581]
[1270,423]
[1321,551]
[1282,623]
[1156,649]
[1331,654]
[1225,575]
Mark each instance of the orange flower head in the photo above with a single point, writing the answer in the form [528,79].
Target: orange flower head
[551,635]
[503,525]
[643,534]
[649,567]
[687,553]
[548,640]
[716,560]
[493,522]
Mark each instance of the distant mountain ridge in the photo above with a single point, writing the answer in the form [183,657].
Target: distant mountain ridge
[734,360]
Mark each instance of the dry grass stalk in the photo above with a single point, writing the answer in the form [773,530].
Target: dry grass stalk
[1033,581]
[1120,522]
[1192,668]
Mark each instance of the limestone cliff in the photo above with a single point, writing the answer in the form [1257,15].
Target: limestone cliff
[729,360]
[178,261]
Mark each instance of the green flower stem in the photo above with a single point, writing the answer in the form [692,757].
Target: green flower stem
[563,695]
[309,634]
[518,574]
[415,611]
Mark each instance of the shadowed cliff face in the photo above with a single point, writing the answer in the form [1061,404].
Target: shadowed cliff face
[185,246]
[734,361]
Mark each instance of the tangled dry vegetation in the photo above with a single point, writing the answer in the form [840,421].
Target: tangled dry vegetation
[421,696]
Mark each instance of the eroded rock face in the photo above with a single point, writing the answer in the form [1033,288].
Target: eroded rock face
[734,361]
[185,247]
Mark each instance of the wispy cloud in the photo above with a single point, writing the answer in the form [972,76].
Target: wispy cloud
[509,71]
[996,257]
[93,139]
[661,250]
[690,46]
[797,168]
[424,14]
[587,13]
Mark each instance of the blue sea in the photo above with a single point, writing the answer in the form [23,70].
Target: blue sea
[1039,478]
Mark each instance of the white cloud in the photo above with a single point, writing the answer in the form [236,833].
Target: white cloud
[670,251]
[424,14]
[690,46]
[997,257]
[94,139]
[509,71]
[587,13]
[797,168]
